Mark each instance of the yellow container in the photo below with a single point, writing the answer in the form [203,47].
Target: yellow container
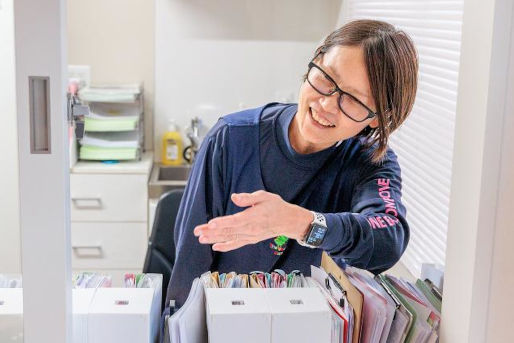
[172,147]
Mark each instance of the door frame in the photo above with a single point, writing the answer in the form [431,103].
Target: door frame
[40,51]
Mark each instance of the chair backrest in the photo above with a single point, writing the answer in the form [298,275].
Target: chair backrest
[160,255]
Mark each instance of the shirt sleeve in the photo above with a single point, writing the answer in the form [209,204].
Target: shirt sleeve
[375,233]
[203,200]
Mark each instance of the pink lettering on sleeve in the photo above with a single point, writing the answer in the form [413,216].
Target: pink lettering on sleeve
[380,220]
[373,222]
[389,221]
[385,194]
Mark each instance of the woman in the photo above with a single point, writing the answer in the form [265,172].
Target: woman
[274,187]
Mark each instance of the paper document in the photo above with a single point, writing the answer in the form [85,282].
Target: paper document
[126,139]
[120,94]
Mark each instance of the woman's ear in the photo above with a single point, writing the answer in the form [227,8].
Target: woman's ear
[374,123]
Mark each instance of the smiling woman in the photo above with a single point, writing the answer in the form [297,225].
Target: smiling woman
[275,186]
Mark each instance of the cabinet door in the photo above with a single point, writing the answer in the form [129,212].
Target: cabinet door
[109,198]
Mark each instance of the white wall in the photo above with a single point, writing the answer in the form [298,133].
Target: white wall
[9,199]
[501,302]
[478,238]
[215,57]
[116,38]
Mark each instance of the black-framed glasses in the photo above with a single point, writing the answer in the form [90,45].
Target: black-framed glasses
[352,107]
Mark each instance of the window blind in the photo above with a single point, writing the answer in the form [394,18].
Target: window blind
[424,143]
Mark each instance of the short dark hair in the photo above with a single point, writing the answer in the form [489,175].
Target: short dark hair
[392,63]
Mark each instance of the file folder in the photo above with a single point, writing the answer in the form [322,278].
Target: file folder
[404,308]
[354,295]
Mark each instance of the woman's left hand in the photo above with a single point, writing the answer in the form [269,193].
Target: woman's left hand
[267,216]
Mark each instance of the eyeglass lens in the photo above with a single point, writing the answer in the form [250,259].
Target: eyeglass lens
[349,105]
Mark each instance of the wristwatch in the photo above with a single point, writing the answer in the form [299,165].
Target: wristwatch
[316,233]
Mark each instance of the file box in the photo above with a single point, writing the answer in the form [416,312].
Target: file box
[236,315]
[123,315]
[81,300]
[11,315]
[299,315]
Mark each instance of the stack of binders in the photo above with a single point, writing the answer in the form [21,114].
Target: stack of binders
[113,129]
[278,307]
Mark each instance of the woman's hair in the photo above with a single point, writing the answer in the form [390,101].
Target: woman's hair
[392,64]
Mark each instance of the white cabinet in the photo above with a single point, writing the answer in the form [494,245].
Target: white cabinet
[109,216]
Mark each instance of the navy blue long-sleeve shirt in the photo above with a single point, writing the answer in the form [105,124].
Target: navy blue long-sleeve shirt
[249,151]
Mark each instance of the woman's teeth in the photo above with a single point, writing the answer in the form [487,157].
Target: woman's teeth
[321,121]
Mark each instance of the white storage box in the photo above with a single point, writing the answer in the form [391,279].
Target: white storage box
[236,315]
[299,315]
[99,314]
[123,315]
[11,315]
[81,300]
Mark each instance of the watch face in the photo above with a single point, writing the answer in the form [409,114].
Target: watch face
[316,235]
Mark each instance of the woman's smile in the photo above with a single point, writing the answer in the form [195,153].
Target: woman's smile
[319,120]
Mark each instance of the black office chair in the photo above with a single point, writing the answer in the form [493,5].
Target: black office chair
[160,255]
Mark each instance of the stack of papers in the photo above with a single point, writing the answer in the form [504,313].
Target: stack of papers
[99,123]
[114,94]
[128,139]
[10,281]
[113,126]
[275,279]
[91,280]
[105,154]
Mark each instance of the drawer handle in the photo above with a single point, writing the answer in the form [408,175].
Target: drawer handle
[87,203]
[88,250]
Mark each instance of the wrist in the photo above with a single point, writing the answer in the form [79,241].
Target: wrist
[302,221]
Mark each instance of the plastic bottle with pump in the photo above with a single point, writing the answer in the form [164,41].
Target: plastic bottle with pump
[172,146]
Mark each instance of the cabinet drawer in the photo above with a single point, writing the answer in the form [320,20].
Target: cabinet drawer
[109,197]
[108,245]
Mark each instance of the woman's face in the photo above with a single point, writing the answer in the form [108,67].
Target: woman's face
[319,123]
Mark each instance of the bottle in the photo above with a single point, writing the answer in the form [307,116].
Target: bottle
[172,146]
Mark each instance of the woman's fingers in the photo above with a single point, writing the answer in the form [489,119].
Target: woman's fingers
[249,199]
[200,229]
[230,245]
[216,236]
[234,220]
[237,230]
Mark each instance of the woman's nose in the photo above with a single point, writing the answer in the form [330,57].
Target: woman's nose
[329,102]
